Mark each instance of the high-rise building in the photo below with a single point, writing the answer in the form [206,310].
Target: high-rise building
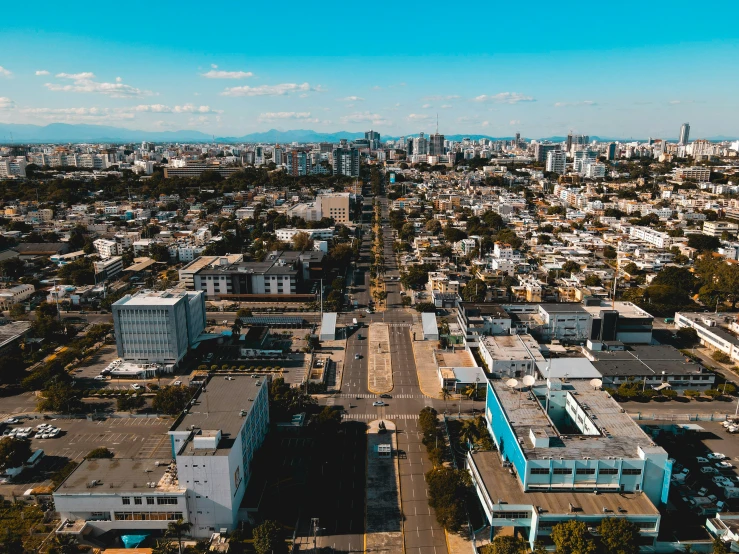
[518,139]
[684,134]
[158,326]
[436,144]
[346,162]
[556,161]
[374,139]
[611,151]
[297,163]
[277,156]
[420,145]
[541,149]
[259,155]
[583,157]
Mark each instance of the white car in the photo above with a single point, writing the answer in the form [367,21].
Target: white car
[722,481]
[54,433]
[723,464]
[378,403]
[99,377]
[136,386]
[716,456]
[177,383]
[39,435]
[11,420]
[701,460]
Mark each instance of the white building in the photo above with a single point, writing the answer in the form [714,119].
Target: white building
[107,268]
[106,248]
[14,295]
[286,235]
[12,167]
[658,239]
[158,326]
[507,356]
[718,228]
[556,161]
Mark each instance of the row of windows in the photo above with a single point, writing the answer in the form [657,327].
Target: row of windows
[582,471]
[147,516]
[160,500]
[512,515]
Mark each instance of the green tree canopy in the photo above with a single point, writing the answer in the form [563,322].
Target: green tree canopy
[572,537]
[268,538]
[13,452]
[171,400]
[618,536]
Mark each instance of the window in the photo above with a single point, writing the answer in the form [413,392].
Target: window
[512,515]
[161,500]
[539,471]
[149,500]
[585,471]
[608,471]
[563,471]
[632,471]
[125,500]
[137,500]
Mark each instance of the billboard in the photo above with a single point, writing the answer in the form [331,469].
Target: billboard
[392,178]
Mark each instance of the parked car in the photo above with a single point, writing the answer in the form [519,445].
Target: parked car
[385,396]
[709,469]
[378,403]
[701,460]
[136,386]
[723,464]
[177,383]
[100,377]
[716,456]
[721,481]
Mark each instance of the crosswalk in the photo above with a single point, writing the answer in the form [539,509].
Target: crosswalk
[408,325]
[369,417]
[373,396]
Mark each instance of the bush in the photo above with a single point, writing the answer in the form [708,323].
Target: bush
[721,357]
[669,393]
[712,393]
[100,452]
[689,393]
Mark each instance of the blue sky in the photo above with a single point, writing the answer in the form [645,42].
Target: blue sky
[538,68]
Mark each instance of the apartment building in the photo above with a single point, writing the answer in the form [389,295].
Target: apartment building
[14,295]
[107,248]
[12,167]
[718,228]
[694,173]
[556,161]
[657,238]
[286,235]
[107,268]
[158,326]
[335,206]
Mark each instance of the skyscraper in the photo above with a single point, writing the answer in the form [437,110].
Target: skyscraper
[611,151]
[346,162]
[436,144]
[556,161]
[420,144]
[277,155]
[374,139]
[541,150]
[684,134]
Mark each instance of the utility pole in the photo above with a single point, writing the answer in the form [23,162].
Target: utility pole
[321,293]
[314,524]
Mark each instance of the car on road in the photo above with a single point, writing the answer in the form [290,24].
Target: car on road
[716,456]
[357,356]
[99,377]
[177,383]
[136,386]
[378,403]
[368,311]
[385,396]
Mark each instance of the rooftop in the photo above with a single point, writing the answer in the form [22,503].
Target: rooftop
[568,368]
[512,347]
[625,309]
[116,475]
[618,434]
[153,297]
[500,484]
[219,406]
[644,360]
[12,330]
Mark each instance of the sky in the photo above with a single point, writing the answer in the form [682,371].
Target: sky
[538,68]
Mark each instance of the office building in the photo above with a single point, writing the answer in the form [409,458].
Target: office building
[346,162]
[684,134]
[576,142]
[566,450]
[717,331]
[286,235]
[259,155]
[556,162]
[14,295]
[158,326]
[436,145]
[277,156]
[420,145]
[213,446]
[297,163]
[611,151]
[13,167]
[542,149]
[107,268]
[335,205]
[582,157]
[373,139]
[694,173]
[508,356]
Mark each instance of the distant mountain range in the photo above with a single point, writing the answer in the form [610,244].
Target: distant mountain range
[63,132]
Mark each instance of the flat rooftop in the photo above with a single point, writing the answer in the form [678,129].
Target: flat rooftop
[619,434]
[512,347]
[153,298]
[218,407]
[456,359]
[116,475]
[500,484]
[11,330]
[624,309]
[719,324]
[643,360]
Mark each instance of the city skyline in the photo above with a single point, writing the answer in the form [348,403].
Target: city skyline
[165,73]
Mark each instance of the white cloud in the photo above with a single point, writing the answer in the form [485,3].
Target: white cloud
[302,116]
[214,66]
[80,114]
[76,76]
[366,117]
[155,108]
[578,103]
[426,106]
[352,99]
[446,106]
[213,74]
[505,98]
[419,117]
[485,124]
[514,122]
[187,108]
[83,82]
[377,87]
[6,103]
[674,102]
[41,72]
[438,97]
[269,90]
[5,72]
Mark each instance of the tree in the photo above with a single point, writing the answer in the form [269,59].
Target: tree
[158,252]
[571,266]
[618,536]
[425,307]
[678,277]
[703,243]
[100,452]
[507,544]
[592,281]
[64,544]
[302,241]
[130,402]
[719,546]
[474,291]
[572,537]
[13,452]
[177,529]
[452,234]
[60,397]
[268,538]
[687,336]
[433,226]
[609,253]
[448,489]
[171,400]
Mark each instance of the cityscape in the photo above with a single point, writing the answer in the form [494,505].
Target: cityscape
[470,290]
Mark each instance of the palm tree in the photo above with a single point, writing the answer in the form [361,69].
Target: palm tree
[177,529]
[163,547]
[469,432]
[446,395]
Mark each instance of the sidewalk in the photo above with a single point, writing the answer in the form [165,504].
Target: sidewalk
[380,369]
[384,528]
[423,352]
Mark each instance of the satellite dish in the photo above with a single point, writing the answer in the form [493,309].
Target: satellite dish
[596,383]
[513,383]
[528,380]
